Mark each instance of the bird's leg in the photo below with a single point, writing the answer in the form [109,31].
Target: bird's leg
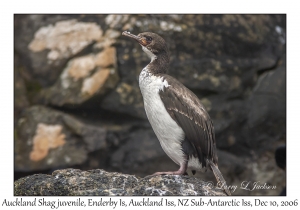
[180,171]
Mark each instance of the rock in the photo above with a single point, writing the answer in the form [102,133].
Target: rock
[74,182]
[110,38]
[268,94]
[48,139]
[21,100]
[65,38]
[280,157]
[85,78]
[267,110]
[141,155]
[119,22]
[127,99]
[48,42]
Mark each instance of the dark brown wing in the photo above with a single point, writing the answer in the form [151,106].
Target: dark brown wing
[188,112]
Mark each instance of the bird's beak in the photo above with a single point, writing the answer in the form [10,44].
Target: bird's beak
[141,40]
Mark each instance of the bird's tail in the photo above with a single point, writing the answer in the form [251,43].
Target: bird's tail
[219,176]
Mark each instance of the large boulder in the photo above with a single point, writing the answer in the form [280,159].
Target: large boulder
[70,182]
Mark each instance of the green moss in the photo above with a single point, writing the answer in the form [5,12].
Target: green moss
[33,88]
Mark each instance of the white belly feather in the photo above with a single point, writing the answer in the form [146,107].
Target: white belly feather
[169,134]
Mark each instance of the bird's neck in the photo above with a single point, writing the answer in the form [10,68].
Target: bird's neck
[159,64]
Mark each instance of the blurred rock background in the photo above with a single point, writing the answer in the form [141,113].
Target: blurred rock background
[78,104]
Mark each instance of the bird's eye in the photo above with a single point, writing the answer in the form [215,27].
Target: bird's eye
[148,38]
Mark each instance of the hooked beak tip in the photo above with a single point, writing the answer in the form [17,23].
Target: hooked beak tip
[140,40]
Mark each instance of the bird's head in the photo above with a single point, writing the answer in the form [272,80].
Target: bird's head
[153,44]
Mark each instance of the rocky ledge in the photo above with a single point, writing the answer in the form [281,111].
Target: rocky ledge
[74,182]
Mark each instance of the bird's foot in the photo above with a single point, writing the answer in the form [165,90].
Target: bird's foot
[179,172]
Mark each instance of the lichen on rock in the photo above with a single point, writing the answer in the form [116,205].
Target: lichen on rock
[81,67]
[65,38]
[92,84]
[106,57]
[84,77]
[109,38]
[46,137]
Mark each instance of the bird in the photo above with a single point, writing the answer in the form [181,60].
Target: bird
[177,116]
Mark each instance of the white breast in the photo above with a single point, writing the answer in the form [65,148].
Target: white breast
[169,134]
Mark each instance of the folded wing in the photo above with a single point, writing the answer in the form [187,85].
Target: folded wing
[188,112]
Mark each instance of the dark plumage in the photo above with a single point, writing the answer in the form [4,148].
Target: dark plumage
[188,112]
